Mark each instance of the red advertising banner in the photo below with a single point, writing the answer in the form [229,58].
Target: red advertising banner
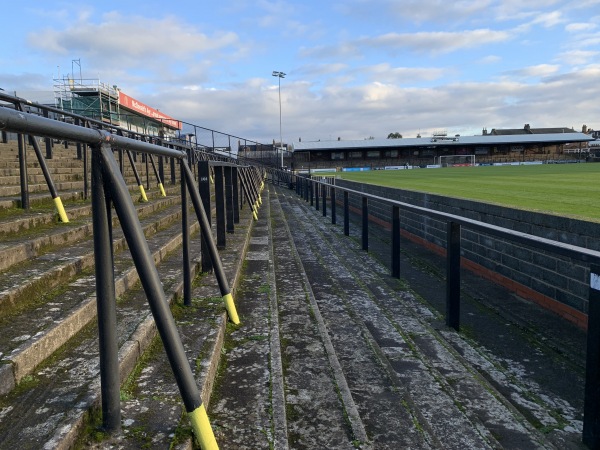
[130,103]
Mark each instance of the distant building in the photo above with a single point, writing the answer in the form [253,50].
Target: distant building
[526,130]
[524,144]
[101,101]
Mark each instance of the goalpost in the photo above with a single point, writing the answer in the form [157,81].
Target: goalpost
[456,160]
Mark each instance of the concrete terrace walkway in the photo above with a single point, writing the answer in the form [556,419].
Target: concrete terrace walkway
[334,353]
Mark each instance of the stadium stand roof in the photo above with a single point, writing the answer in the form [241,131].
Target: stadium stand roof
[449,141]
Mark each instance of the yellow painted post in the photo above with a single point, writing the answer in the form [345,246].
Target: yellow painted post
[202,429]
[61,210]
[143,192]
[230,307]
[162,189]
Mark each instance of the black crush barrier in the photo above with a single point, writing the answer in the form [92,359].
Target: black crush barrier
[110,190]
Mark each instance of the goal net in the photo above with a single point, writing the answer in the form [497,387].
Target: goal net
[456,160]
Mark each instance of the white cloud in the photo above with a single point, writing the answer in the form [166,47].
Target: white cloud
[578,57]
[549,19]
[436,41]
[490,59]
[578,27]
[440,11]
[127,39]
[385,73]
[433,42]
[540,70]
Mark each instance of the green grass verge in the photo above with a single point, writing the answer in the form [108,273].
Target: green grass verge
[571,190]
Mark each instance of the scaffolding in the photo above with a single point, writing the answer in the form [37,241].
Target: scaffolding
[88,97]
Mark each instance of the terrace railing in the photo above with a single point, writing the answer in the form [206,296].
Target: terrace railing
[109,189]
[318,192]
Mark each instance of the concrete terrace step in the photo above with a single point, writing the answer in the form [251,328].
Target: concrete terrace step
[34,325]
[52,406]
[43,196]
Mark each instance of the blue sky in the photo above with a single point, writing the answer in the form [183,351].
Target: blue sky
[355,68]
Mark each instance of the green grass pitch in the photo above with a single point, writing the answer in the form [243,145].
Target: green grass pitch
[571,190]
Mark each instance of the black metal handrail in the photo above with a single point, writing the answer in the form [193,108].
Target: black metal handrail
[310,189]
[108,187]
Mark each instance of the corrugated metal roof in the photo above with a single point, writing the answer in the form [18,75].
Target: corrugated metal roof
[444,142]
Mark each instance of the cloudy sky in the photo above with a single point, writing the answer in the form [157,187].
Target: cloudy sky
[354,68]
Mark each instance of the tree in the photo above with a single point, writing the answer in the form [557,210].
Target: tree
[394,136]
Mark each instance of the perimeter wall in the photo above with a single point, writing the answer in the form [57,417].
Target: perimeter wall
[557,283]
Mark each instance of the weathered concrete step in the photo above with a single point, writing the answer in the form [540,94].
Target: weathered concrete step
[14,171]
[51,163]
[9,179]
[28,339]
[152,409]
[44,198]
[8,190]
[437,381]
[19,221]
[40,199]
[306,346]
[390,420]
[43,233]
[43,272]
[51,408]
[248,410]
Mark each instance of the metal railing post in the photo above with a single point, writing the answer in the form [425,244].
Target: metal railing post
[51,187]
[317,195]
[396,241]
[212,248]
[453,275]
[204,192]
[333,206]
[591,409]
[306,189]
[79,154]
[161,168]
[236,194]
[106,304]
[23,171]
[121,159]
[137,176]
[324,189]
[48,141]
[312,192]
[365,223]
[85,169]
[220,208]
[144,264]
[185,225]
[173,177]
[346,214]
[229,226]
[147,161]
[158,176]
